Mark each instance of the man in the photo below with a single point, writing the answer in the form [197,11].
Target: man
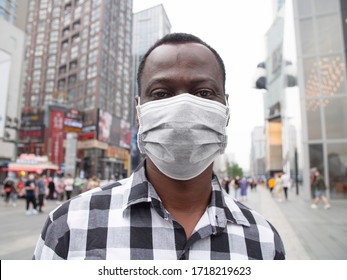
[320,191]
[41,188]
[172,207]
[286,182]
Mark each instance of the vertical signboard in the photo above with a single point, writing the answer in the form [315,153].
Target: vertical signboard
[71,153]
[5,65]
[57,134]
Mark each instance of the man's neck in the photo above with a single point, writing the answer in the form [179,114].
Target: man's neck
[185,200]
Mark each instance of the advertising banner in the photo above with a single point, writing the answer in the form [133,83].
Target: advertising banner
[57,134]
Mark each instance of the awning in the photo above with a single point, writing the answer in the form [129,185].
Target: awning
[38,168]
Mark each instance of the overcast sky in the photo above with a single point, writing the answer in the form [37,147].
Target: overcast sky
[236,30]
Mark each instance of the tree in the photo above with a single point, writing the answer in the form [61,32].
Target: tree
[234,170]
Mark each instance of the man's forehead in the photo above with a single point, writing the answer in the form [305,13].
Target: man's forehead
[187,49]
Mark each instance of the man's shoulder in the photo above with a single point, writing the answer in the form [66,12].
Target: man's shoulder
[97,198]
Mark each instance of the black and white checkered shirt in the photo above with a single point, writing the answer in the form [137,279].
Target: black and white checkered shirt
[127,221]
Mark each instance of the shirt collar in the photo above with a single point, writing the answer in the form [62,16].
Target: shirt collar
[221,209]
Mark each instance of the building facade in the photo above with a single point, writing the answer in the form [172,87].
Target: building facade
[321,29]
[78,68]
[11,69]
[258,154]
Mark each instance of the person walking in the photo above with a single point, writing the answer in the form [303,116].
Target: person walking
[93,183]
[41,188]
[278,189]
[319,188]
[286,182]
[271,184]
[8,187]
[30,195]
[68,181]
[243,187]
[51,189]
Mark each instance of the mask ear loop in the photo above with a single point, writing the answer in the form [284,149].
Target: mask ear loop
[228,109]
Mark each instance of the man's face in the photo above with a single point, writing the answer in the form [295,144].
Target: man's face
[184,68]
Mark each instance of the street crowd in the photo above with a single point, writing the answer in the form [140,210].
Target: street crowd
[36,189]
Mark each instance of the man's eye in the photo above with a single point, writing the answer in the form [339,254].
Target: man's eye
[203,93]
[161,94]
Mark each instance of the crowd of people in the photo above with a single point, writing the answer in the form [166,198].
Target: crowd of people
[37,188]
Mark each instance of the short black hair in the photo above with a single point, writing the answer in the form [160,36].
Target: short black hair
[178,38]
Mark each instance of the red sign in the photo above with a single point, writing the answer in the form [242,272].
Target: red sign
[57,134]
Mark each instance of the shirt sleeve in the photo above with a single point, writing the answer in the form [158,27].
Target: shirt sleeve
[54,240]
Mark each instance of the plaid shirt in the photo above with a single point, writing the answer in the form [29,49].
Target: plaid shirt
[126,220]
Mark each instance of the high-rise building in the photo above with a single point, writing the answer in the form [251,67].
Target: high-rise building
[321,35]
[258,154]
[79,58]
[11,69]
[148,26]
[14,12]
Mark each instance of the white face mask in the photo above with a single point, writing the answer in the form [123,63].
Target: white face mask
[182,135]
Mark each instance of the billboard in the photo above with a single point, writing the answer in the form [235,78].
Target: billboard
[56,136]
[113,130]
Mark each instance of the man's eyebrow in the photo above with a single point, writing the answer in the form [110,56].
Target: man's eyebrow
[165,80]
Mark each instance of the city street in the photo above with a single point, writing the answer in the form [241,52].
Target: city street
[307,233]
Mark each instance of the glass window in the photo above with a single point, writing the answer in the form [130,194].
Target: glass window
[328,40]
[314,125]
[34,100]
[61,83]
[324,6]
[337,162]
[73,64]
[62,69]
[307,36]
[332,72]
[335,117]
[49,86]
[312,85]
[71,94]
[72,79]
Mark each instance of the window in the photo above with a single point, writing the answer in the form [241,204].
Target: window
[73,64]
[62,69]
[65,44]
[61,83]
[66,31]
[76,25]
[72,79]
[75,38]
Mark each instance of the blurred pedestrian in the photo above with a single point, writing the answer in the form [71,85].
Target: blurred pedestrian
[271,184]
[60,189]
[30,195]
[278,189]
[225,184]
[253,184]
[237,186]
[93,183]
[286,183]
[9,189]
[41,189]
[51,189]
[68,181]
[243,187]
[319,188]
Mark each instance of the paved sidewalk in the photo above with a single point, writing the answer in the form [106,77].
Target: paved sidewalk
[307,233]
